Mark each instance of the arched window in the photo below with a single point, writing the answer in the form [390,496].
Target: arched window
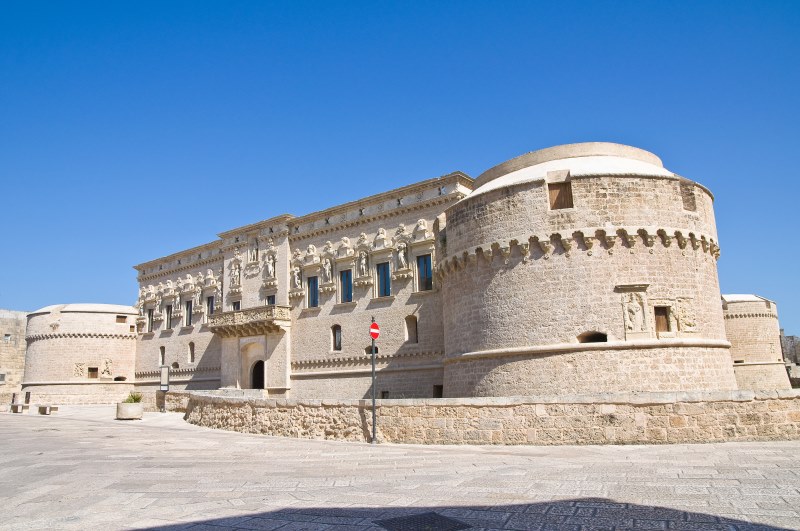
[336,337]
[191,352]
[592,337]
[411,329]
[162,355]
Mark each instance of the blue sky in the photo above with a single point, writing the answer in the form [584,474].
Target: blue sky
[131,130]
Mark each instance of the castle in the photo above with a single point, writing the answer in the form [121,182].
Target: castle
[581,268]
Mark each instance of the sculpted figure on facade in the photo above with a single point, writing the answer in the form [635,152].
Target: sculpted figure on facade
[402,261]
[634,312]
[105,372]
[362,239]
[254,251]
[362,264]
[270,266]
[236,274]
[297,282]
[311,250]
[327,271]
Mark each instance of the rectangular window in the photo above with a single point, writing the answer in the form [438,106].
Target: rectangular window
[384,280]
[662,319]
[313,292]
[162,355]
[121,319]
[560,195]
[168,317]
[7,338]
[187,319]
[2,377]
[384,395]
[93,372]
[236,305]
[438,391]
[346,279]
[210,305]
[150,320]
[337,337]
[424,273]
[271,300]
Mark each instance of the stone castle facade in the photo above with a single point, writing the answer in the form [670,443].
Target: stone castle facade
[582,268]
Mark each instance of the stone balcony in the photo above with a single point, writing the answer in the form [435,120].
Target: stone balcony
[251,321]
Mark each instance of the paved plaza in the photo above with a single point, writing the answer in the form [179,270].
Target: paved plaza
[80,469]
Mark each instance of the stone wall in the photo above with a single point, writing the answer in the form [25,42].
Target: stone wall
[79,393]
[12,352]
[624,418]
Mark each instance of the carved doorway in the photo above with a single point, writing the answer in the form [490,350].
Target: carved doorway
[258,375]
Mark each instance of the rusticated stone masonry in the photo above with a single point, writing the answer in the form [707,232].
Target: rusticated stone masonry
[622,418]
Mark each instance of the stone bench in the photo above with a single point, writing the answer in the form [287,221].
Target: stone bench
[19,408]
[46,409]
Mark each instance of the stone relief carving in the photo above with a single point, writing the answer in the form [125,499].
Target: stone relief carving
[236,274]
[362,239]
[79,371]
[345,249]
[311,249]
[270,266]
[634,306]
[686,317]
[421,231]
[254,251]
[297,282]
[105,372]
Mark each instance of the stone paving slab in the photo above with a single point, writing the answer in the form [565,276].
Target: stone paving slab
[80,469]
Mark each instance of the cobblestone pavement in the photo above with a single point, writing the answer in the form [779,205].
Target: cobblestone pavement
[80,469]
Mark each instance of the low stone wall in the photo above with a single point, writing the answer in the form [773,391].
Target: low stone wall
[621,418]
[57,393]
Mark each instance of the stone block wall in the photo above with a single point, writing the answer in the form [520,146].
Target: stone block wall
[12,352]
[624,418]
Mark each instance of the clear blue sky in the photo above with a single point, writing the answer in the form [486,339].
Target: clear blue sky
[131,130]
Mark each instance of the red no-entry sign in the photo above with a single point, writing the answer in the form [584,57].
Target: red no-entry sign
[374,330]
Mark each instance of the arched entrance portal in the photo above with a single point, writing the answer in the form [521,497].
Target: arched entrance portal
[258,375]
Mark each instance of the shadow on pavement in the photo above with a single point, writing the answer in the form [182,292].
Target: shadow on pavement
[580,514]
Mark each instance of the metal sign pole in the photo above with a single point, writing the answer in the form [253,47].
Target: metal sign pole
[373,387]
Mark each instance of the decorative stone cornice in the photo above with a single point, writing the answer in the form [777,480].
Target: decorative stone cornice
[205,262]
[588,240]
[362,360]
[38,337]
[186,370]
[366,219]
[750,315]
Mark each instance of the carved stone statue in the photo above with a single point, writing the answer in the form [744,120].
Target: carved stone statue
[198,297]
[402,262]
[362,264]
[422,225]
[362,239]
[236,274]
[634,313]
[401,229]
[327,271]
[311,249]
[254,251]
[296,280]
[236,254]
[106,372]
[270,266]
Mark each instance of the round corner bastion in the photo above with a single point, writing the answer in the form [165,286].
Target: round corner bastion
[582,268]
[80,353]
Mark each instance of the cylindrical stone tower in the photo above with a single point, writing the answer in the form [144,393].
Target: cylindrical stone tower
[80,353]
[582,268]
[751,324]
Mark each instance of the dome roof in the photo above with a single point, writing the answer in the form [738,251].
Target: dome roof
[87,308]
[589,158]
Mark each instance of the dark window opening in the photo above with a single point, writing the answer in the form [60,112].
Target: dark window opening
[368,350]
[271,300]
[336,330]
[119,379]
[384,280]
[662,319]
[210,305]
[237,305]
[560,195]
[93,372]
[168,317]
[438,391]
[411,329]
[188,317]
[346,280]
[424,273]
[593,337]
[121,319]
[384,395]
[313,292]
[132,328]
[150,320]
